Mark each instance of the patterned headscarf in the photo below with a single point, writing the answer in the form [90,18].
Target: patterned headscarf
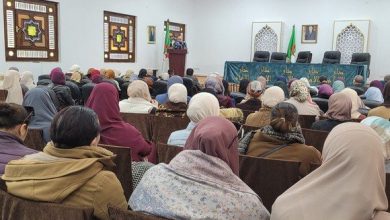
[382,128]
[299,91]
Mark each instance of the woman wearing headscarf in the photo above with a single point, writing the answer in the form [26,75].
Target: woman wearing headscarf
[374,94]
[300,98]
[177,102]
[28,80]
[163,98]
[76,77]
[283,139]
[382,128]
[44,110]
[271,97]
[263,81]
[283,86]
[339,111]
[215,83]
[350,183]
[356,103]
[252,101]
[338,86]
[377,84]
[12,85]
[201,106]
[62,92]
[139,100]
[325,91]
[384,110]
[202,181]
[312,89]
[110,76]
[104,101]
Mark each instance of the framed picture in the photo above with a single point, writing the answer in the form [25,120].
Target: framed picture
[151,34]
[309,34]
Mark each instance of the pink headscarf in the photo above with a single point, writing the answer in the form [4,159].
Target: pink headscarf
[217,137]
[57,76]
[104,100]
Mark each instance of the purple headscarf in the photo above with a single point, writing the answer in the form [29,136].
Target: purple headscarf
[325,91]
[57,76]
[377,84]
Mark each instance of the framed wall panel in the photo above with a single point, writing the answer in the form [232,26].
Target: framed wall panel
[30,30]
[266,36]
[177,30]
[119,37]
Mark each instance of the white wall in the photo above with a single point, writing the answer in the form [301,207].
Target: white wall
[81,33]
[223,28]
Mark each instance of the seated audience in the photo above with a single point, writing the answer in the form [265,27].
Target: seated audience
[253,96]
[215,83]
[382,128]
[62,92]
[28,80]
[358,85]
[205,172]
[110,76]
[374,94]
[71,170]
[338,86]
[356,103]
[104,100]
[312,89]
[350,183]
[139,100]
[14,121]
[300,98]
[201,106]
[271,97]
[12,85]
[177,102]
[325,91]
[339,111]
[190,74]
[44,110]
[384,110]
[283,139]
[163,98]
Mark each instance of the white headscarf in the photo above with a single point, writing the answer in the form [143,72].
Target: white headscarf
[272,96]
[28,79]
[356,102]
[177,93]
[139,89]
[202,105]
[12,85]
[74,68]
[374,94]
[164,76]
[350,183]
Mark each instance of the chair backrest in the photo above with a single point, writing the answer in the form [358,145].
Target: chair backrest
[261,56]
[34,139]
[14,208]
[332,57]
[315,138]
[3,95]
[165,152]
[159,87]
[322,103]
[371,103]
[123,167]
[277,57]
[268,178]
[143,123]
[388,189]
[361,59]
[306,120]
[164,126]
[119,214]
[304,57]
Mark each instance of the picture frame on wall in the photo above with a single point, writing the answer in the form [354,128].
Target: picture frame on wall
[151,34]
[309,34]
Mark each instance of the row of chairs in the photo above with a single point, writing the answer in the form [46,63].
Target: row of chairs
[330,57]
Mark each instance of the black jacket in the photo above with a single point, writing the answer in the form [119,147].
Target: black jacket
[63,95]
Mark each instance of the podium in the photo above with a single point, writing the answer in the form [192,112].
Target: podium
[177,61]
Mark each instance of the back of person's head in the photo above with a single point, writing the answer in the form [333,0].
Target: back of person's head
[75,126]
[164,76]
[177,93]
[174,79]
[299,91]
[110,74]
[386,78]
[57,76]
[338,86]
[190,72]
[323,79]
[142,73]
[243,85]
[254,89]
[138,89]
[284,117]
[272,96]
[201,106]
[358,80]
[215,84]
[14,119]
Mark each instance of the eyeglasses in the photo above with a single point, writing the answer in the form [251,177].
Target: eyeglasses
[30,113]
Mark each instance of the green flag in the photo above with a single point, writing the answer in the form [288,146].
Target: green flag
[291,45]
[167,43]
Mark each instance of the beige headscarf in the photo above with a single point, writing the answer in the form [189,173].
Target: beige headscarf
[74,68]
[202,105]
[76,76]
[28,79]
[349,185]
[12,85]
[272,96]
[339,107]
[139,89]
[356,102]
[263,81]
[177,93]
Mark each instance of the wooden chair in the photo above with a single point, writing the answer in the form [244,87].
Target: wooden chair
[165,152]
[3,95]
[306,120]
[268,178]
[34,139]
[163,127]
[388,189]
[14,208]
[123,167]
[143,122]
[118,214]
[315,138]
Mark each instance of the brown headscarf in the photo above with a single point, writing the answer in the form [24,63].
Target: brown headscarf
[110,74]
[340,106]
[217,137]
[386,95]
